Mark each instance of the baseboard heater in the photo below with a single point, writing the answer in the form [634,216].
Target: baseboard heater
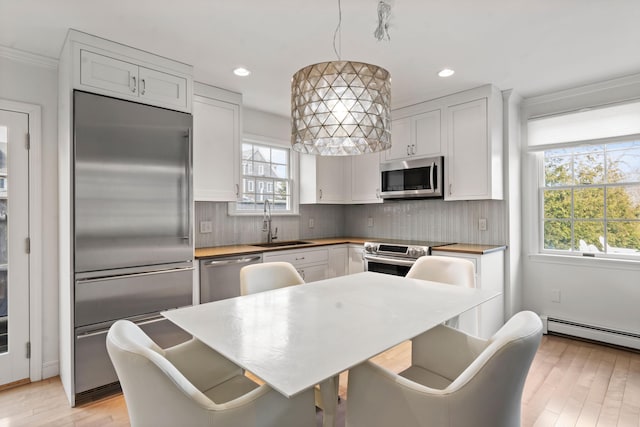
[596,333]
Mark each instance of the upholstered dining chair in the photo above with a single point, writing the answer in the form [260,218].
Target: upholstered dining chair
[192,385]
[267,276]
[455,380]
[450,270]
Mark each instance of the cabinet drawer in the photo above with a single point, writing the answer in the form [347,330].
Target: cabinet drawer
[299,258]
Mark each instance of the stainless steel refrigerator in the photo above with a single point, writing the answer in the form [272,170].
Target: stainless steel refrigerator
[133,249]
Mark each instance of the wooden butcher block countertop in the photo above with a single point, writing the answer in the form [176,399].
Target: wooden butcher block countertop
[249,249]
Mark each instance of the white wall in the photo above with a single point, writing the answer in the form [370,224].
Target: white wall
[596,292]
[513,201]
[28,79]
[256,122]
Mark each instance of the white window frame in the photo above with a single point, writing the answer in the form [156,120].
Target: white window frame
[540,211]
[294,176]
[533,180]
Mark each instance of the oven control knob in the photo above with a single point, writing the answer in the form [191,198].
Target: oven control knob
[369,248]
[416,252]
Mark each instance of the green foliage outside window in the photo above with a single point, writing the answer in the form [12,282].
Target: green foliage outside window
[591,198]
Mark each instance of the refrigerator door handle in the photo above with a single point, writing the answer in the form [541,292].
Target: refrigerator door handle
[188,171]
[124,276]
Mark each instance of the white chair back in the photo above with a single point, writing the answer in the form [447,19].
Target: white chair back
[454,271]
[256,278]
[455,380]
[177,386]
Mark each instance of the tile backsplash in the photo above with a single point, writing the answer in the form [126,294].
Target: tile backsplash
[430,220]
[434,220]
[230,230]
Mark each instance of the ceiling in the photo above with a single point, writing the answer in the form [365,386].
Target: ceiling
[533,46]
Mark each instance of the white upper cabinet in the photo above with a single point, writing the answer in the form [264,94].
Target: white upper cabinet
[340,179]
[474,160]
[216,144]
[322,179]
[164,88]
[109,68]
[365,178]
[400,139]
[418,135]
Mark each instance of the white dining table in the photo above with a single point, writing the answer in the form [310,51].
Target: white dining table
[295,337]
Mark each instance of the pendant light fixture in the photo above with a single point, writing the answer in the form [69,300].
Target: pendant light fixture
[341,108]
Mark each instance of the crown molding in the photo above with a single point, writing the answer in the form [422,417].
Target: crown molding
[28,58]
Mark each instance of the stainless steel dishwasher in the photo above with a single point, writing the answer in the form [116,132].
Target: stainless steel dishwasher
[220,277]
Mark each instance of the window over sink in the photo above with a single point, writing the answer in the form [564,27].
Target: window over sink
[267,171]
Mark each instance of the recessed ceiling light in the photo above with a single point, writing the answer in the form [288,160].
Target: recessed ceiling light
[446,72]
[241,71]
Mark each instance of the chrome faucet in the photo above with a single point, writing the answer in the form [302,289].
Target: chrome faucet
[266,222]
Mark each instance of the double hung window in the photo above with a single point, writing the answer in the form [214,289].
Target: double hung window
[589,189]
[266,175]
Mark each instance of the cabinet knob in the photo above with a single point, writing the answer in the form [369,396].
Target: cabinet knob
[449,189]
[413,148]
[143,86]
[133,87]
[320,194]
[408,150]
[237,190]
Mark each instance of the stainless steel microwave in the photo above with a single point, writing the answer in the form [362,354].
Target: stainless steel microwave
[412,178]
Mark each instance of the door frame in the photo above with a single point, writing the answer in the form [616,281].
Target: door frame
[35,230]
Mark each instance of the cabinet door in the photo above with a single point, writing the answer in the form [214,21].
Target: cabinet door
[365,178]
[167,89]
[313,273]
[401,139]
[468,160]
[215,149]
[330,179]
[108,74]
[337,261]
[428,138]
[356,261]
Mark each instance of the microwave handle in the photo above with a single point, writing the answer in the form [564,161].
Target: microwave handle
[433,176]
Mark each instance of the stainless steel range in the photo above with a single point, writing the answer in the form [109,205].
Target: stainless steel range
[396,258]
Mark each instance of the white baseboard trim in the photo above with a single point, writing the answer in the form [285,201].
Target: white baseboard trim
[591,332]
[50,369]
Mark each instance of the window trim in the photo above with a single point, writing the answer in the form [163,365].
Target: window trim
[293,170]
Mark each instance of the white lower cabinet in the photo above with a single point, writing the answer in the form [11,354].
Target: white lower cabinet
[312,264]
[337,260]
[487,318]
[356,260]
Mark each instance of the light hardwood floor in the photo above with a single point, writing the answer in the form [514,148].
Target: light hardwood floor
[571,383]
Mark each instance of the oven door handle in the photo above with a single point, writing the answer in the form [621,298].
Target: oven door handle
[389,260]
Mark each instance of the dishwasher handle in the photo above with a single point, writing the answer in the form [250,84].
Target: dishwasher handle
[243,260]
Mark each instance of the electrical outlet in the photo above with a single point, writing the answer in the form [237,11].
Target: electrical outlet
[369,222]
[482,224]
[555,295]
[206,227]
[312,223]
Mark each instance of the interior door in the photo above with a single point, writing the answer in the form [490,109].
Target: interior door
[14,260]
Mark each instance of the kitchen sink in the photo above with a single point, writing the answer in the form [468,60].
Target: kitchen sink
[279,244]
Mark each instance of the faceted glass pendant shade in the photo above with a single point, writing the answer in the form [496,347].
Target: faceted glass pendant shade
[341,108]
